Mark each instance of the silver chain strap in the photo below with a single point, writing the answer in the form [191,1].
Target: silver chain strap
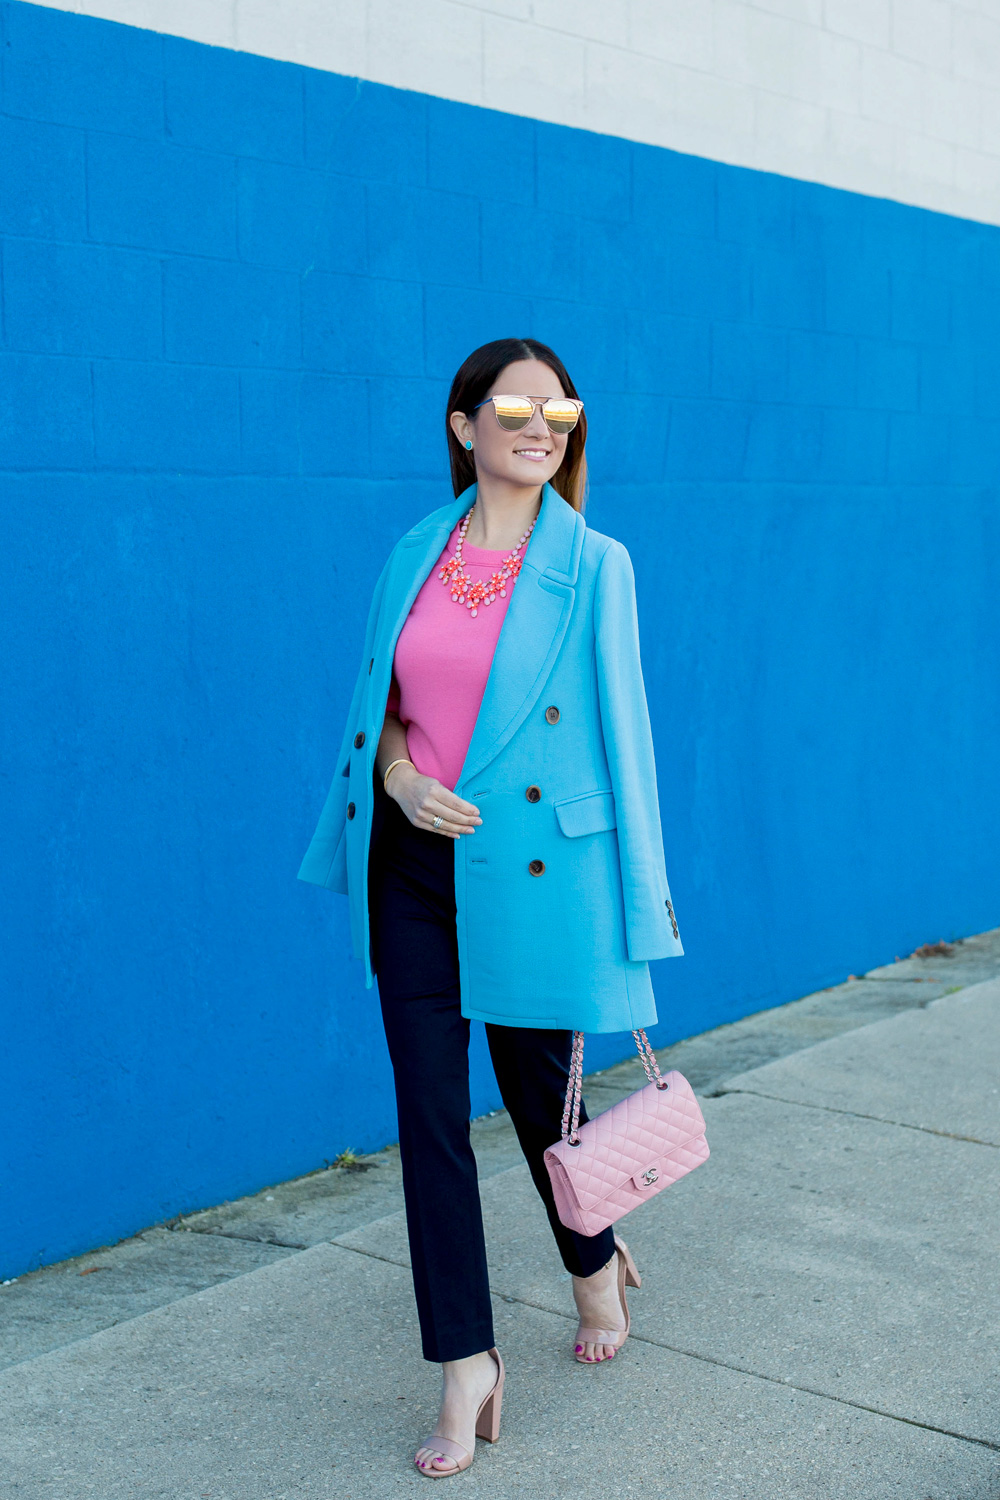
[648,1059]
[574,1084]
[574,1093]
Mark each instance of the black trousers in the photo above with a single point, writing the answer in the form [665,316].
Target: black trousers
[415,952]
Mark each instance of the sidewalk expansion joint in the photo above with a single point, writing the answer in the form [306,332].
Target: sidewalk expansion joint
[855,1114]
[723,1364]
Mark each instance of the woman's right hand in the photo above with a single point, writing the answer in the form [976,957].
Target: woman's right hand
[424,798]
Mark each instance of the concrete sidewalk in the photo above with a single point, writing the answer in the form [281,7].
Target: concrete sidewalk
[818,1317]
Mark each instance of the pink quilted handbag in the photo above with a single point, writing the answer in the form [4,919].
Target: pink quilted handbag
[631,1152]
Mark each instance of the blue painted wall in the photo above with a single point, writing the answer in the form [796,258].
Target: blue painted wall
[234,292]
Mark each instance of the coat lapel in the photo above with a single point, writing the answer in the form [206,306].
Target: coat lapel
[537,616]
[416,554]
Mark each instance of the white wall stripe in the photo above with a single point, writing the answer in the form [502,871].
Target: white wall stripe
[894,98]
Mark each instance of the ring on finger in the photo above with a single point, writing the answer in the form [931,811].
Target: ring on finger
[437,822]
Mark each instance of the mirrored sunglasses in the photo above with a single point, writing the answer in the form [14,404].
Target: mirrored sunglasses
[561,413]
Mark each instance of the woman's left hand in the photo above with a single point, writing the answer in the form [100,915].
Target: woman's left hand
[424,799]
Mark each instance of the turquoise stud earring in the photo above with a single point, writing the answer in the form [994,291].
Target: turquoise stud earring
[469,446]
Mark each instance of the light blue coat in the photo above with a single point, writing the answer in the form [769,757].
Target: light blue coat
[567,947]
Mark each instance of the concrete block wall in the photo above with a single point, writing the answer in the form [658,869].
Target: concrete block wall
[897,98]
[234,290]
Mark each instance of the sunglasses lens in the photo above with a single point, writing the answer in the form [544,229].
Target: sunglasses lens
[512,412]
[562,416]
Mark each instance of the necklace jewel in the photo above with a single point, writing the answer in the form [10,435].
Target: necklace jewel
[484,591]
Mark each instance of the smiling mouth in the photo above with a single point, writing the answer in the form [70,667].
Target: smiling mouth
[536,455]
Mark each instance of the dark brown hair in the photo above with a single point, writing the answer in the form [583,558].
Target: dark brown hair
[470,386]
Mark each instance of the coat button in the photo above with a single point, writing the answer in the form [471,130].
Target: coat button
[537,867]
[534,794]
[359,739]
[350,810]
[552,714]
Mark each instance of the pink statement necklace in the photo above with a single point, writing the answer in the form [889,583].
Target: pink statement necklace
[484,591]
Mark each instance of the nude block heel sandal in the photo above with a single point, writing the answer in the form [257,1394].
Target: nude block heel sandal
[487,1426]
[627,1276]
[488,1418]
[632,1277]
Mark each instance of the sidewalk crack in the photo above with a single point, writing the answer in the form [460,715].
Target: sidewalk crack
[247,1239]
[856,1114]
[724,1364]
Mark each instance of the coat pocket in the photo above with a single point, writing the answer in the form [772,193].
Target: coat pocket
[593,812]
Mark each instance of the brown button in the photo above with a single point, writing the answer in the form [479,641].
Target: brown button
[350,809]
[359,739]
[552,714]
[534,794]
[537,867]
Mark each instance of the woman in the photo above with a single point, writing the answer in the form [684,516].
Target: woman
[493,819]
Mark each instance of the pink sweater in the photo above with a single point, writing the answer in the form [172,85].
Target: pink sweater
[443,658]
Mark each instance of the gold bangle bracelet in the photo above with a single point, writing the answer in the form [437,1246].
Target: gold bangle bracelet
[401,761]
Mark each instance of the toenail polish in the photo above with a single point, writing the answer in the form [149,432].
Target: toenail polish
[579,1348]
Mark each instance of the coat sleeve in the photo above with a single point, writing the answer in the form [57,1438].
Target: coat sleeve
[321,865]
[651,929]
